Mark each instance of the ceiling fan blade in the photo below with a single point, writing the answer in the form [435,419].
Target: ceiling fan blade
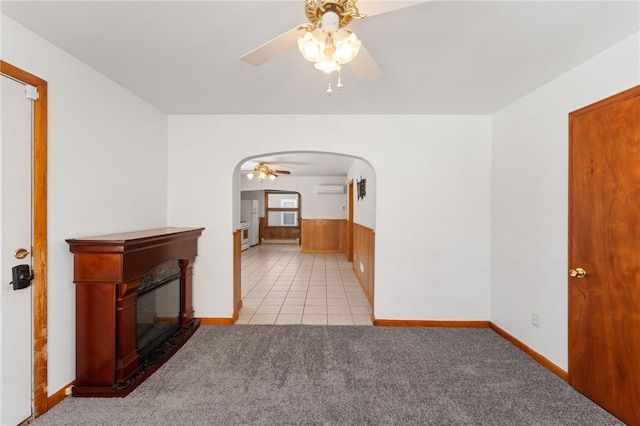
[373,7]
[364,66]
[282,172]
[272,48]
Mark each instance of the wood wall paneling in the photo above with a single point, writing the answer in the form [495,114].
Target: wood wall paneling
[350,223]
[278,232]
[324,235]
[237,274]
[364,258]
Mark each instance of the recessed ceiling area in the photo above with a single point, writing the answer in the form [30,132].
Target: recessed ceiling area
[435,57]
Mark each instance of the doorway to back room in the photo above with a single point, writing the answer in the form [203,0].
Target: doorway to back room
[296,269]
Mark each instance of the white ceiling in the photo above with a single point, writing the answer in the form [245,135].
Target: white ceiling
[443,57]
[458,57]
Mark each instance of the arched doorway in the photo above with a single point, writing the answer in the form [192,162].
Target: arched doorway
[330,217]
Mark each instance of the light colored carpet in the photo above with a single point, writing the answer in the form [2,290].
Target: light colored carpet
[341,375]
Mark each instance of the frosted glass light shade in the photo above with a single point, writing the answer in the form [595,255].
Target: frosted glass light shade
[328,66]
[311,45]
[347,48]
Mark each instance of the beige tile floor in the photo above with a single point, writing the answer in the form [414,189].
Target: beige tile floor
[281,285]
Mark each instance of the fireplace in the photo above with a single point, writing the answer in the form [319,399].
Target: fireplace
[133,306]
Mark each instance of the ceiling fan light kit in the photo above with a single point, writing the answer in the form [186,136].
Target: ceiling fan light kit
[326,43]
[262,172]
[329,50]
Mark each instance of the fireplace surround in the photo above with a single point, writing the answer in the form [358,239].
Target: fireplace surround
[133,305]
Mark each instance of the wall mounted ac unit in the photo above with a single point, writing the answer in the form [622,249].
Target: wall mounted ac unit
[330,189]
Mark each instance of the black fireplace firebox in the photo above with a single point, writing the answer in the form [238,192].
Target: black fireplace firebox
[157,307]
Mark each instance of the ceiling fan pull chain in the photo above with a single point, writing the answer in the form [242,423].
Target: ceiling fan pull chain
[329,91]
[339,85]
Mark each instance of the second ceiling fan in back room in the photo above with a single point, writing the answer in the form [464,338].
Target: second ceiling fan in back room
[326,42]
[262,172]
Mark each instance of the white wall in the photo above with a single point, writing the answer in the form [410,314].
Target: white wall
[432,199]
[364,209]
[529,198]
[107,171]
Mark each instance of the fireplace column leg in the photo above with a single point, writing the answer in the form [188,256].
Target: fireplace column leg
[127,352]
[186,291]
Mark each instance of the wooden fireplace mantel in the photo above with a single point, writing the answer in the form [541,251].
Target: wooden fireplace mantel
[107,271]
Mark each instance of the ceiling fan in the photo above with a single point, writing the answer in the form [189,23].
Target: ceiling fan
[325,40]
[262,172]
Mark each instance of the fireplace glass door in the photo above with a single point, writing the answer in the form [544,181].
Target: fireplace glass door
[157,314]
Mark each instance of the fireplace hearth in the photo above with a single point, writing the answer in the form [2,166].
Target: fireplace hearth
[133,306]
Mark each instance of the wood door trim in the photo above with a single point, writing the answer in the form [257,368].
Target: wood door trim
[40,356]
[619,97]
[350,222]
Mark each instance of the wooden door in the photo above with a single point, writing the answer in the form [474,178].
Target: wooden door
[604,241]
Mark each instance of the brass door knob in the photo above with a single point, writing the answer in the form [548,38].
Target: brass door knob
[577,273]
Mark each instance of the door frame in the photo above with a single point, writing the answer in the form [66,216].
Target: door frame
[350,221]
[39,249]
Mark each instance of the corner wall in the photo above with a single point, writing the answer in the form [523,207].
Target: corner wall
[107,171]
[529,198]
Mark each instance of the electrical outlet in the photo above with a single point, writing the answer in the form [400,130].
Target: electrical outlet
[535,320]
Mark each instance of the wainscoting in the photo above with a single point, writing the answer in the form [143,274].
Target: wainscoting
[330,236]
[324,235]
[277,232]
[237,270]
[364,258]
